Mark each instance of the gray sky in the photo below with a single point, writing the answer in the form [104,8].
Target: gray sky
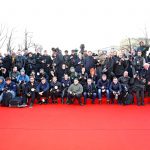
[68,23]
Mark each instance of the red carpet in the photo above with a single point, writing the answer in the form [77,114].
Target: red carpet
[74,127]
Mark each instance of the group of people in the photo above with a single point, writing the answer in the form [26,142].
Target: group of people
[45,78]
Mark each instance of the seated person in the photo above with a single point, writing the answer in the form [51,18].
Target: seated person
[14,74]
[43,91]
[30,90]
[89,91]
[115,89]
[55,89]
[103,87]
[75,90]
[125,85]
[65,84]
[22,79]
[9,88]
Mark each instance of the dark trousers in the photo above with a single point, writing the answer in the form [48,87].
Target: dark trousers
[72,97]
[32,96]
[45,94]
[140,96]
[20,89]
[118,100]
[54,96]
[64,94]
[86,95]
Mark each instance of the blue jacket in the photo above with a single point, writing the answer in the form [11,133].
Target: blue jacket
[115,87]
[104,83]
[24,78]
[43,87]
[12,86]
[65,83]
[2,84]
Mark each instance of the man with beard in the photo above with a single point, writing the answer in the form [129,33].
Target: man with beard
[75,90]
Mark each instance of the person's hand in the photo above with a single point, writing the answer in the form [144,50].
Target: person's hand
[33,89]
[114,92]
[41,93]
[149,83]
[103,90]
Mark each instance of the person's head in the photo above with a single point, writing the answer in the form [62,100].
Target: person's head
[141,43]
[31,79]
[125,74]
[8,80]
[89,53]
[19,52]
[66,52]
[43,80]
[15,69]
[63,66]
[72,52]
[133,51]
[139,53]
[32,72]
[22,72]
[115,80]
[146,66]
[41,70]
[85,52]
[76,81]
[83,69]
[104,77]
[114,53]
[66,77]
[54,79]
[92,71]
[72,69]
[89,81]
[120,55]
[30,54]
[45,52]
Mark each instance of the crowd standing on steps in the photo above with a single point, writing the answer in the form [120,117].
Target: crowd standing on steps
[81,75]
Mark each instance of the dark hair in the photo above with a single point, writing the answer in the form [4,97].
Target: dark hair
[7,79]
